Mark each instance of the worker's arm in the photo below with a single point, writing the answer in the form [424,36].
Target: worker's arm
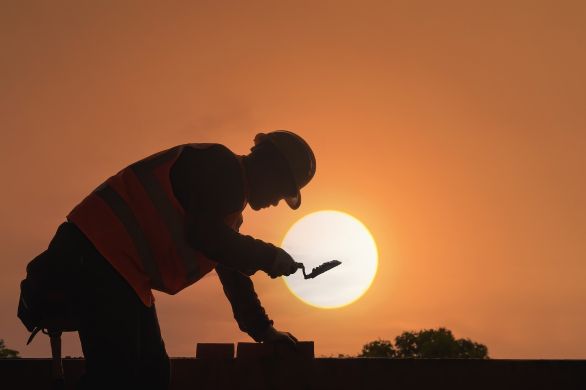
[209,185]
[246,307]
[230,248]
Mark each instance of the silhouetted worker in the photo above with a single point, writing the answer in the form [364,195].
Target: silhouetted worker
[163,223]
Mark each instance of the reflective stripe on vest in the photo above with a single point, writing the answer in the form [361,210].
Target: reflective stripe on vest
[173,219]
[137,224]
[125,215]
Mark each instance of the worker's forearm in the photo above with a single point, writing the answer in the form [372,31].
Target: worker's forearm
[246,307]
[230,248]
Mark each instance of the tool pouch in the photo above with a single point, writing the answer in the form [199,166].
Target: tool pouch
[44,303]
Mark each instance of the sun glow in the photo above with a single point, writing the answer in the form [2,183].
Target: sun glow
[331,235]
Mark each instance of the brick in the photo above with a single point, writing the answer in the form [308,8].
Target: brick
[305,349]
[214,351]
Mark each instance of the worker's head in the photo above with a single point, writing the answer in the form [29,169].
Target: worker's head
[279,165]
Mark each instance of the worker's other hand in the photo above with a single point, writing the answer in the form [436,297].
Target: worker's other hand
[283,265]
[272,335]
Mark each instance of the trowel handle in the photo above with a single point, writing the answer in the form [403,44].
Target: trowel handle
[302,267]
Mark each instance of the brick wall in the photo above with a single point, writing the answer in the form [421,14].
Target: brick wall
[302,373]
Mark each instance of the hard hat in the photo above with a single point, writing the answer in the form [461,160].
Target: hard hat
[298,155]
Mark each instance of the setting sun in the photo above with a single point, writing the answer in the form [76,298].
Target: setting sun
[331,235]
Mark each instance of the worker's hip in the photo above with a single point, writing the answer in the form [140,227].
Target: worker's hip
[83,272]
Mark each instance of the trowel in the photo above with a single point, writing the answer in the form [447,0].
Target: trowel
[320,269]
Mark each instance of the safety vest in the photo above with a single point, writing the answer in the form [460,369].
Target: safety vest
[135,221]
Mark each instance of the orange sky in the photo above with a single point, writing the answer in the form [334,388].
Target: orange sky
[454,131]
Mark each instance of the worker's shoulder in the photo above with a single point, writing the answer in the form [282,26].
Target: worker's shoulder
[212,175]
[208,159]
[210,150]
[210,171]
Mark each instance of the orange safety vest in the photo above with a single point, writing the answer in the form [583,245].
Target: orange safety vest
[135,221]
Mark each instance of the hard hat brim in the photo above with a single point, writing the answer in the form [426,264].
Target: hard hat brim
[294,201]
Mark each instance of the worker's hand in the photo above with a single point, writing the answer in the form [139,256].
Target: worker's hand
[272,335]
[283,265]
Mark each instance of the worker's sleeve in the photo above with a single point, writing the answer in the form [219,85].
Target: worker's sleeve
[228,247]
[248,311]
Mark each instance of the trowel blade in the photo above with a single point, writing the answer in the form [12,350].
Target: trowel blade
[320,269]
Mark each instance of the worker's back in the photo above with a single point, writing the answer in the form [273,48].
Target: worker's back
[138,224]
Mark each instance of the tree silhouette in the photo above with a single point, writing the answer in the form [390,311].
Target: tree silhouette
[426,344]
[378,348]
[5,352]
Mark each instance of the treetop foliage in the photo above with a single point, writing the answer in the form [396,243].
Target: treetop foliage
[5,352]
[426,344]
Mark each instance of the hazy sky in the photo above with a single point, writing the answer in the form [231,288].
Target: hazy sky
[455,131]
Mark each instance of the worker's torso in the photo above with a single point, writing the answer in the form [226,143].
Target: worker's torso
[137,220]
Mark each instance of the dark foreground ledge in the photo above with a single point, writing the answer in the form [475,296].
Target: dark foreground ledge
[271,373]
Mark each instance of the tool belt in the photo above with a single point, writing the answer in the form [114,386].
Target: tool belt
[45,306]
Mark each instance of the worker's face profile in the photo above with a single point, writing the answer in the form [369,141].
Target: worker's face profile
[259,203]
[271,193]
